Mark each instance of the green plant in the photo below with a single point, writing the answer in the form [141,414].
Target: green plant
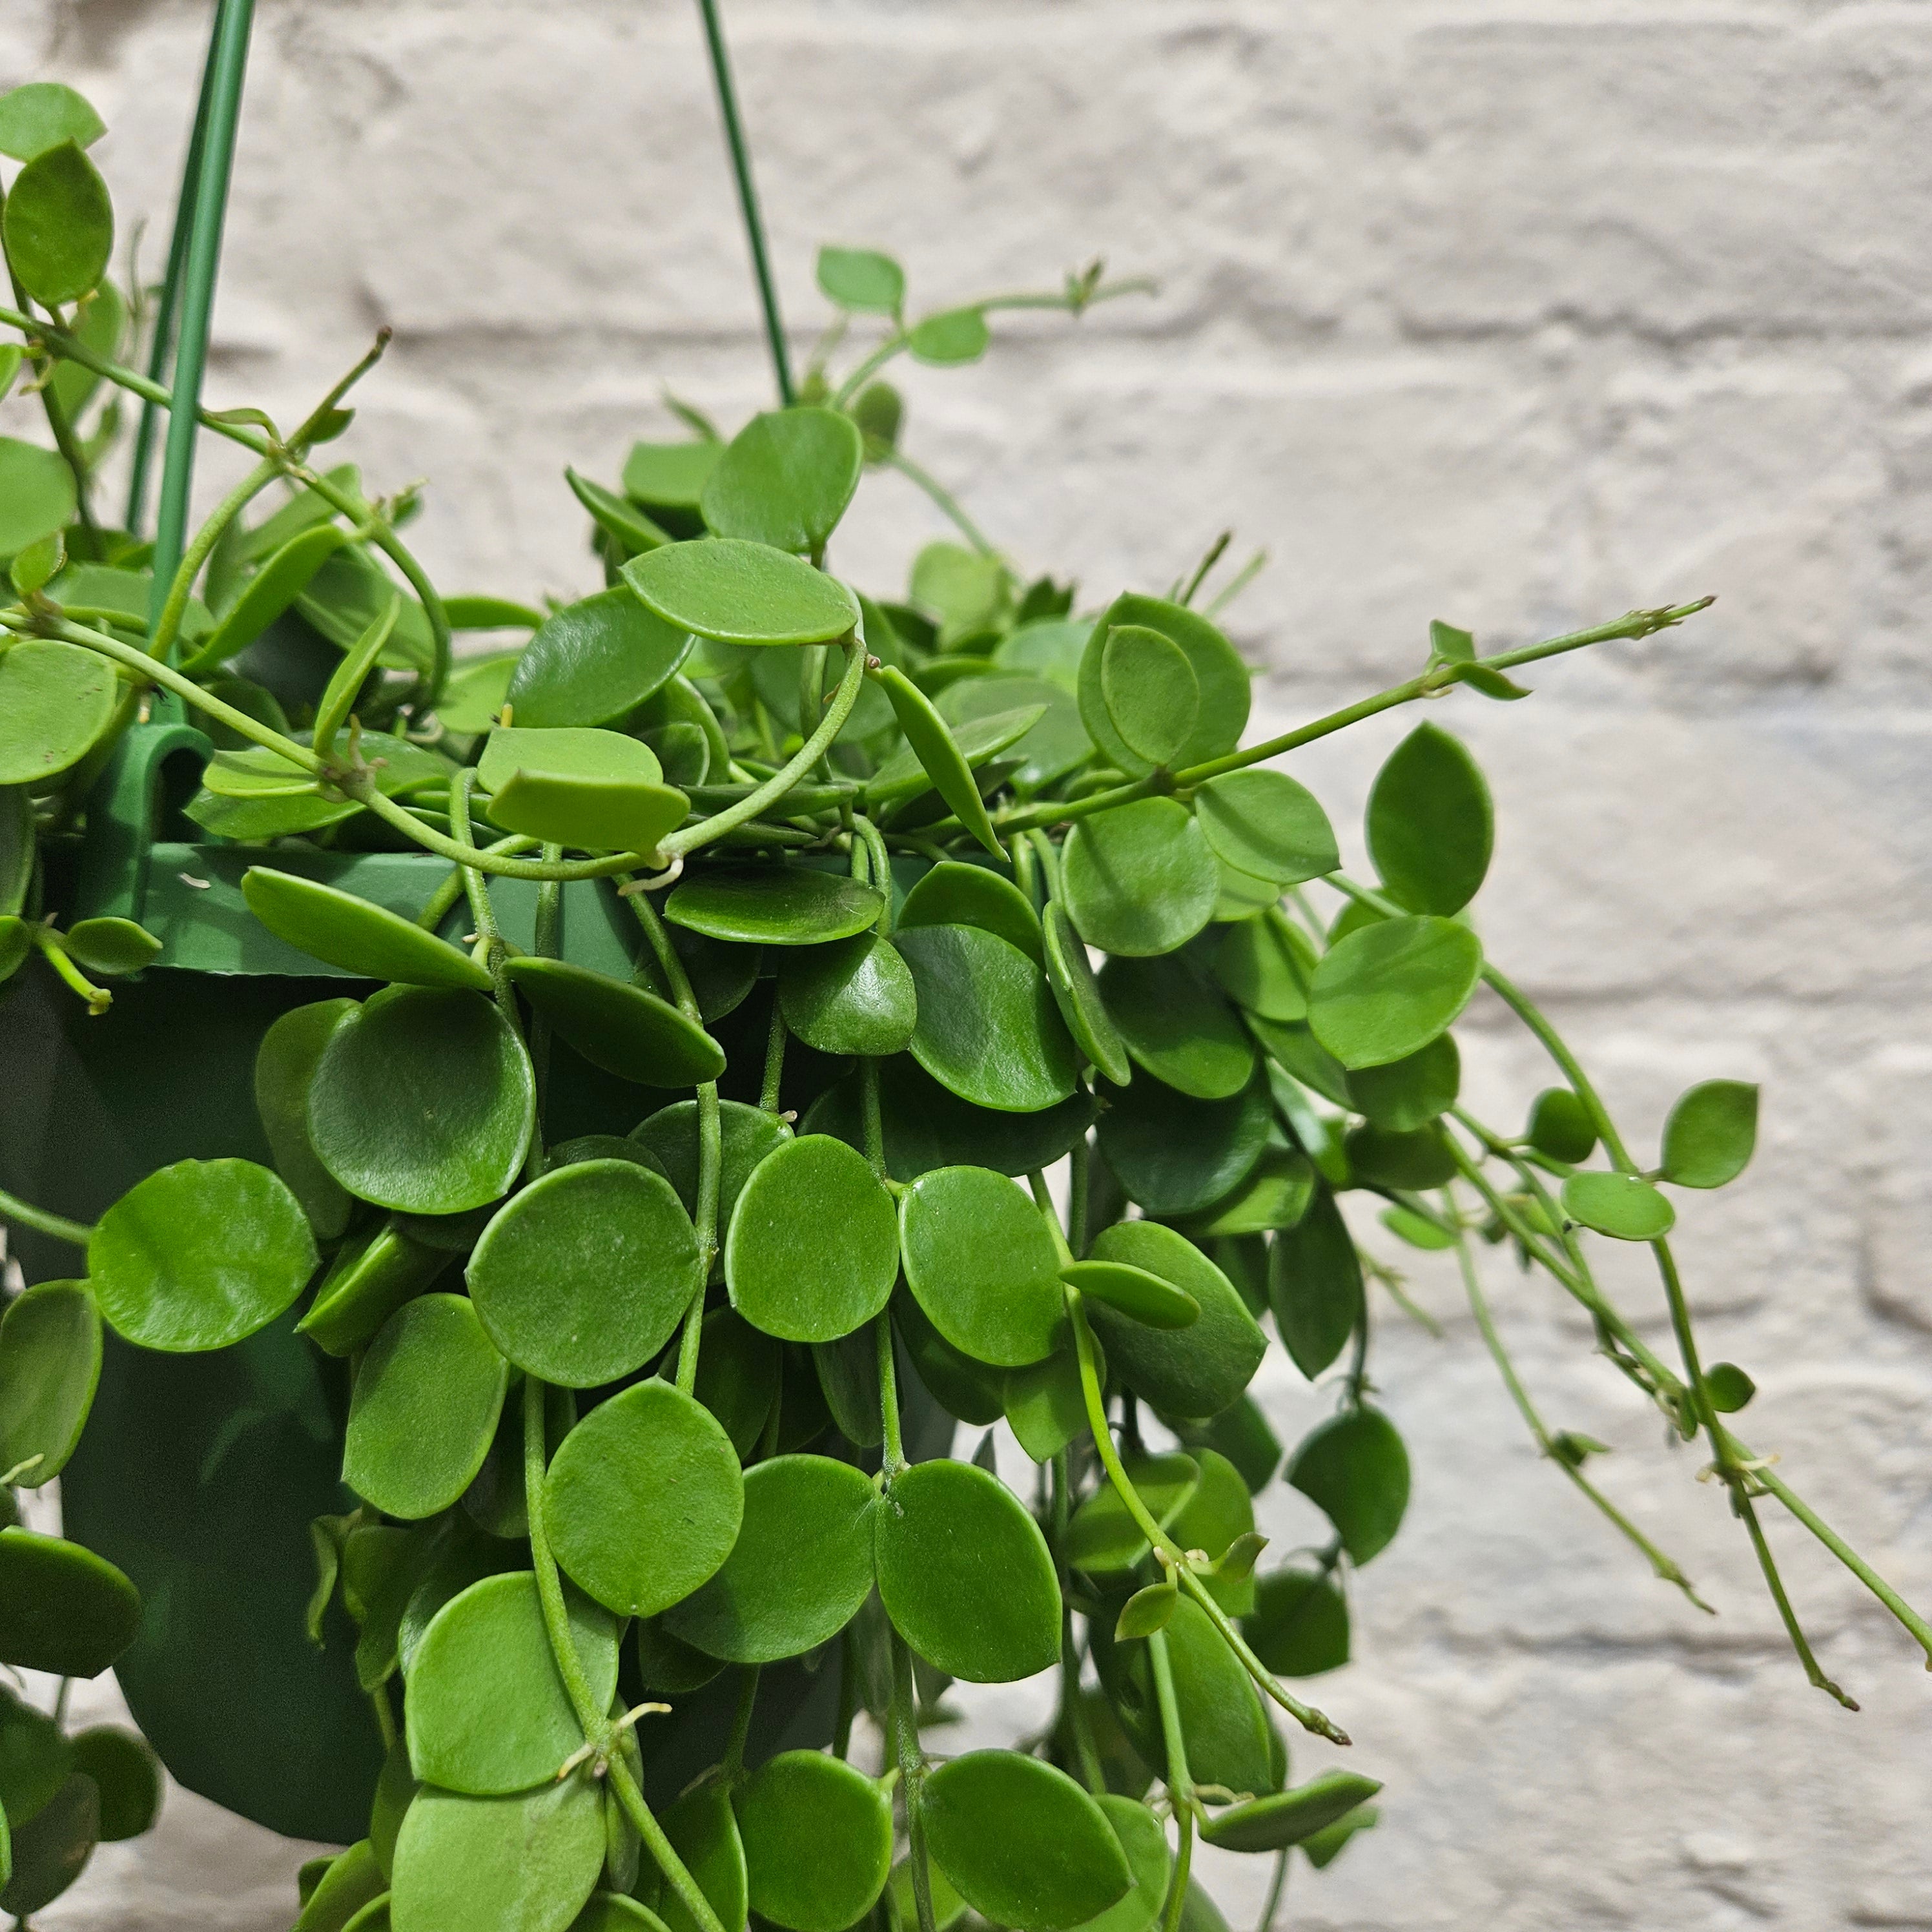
[627,1400]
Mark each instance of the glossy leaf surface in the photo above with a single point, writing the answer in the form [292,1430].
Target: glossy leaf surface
[1710,1134]
[740,592]
[63,1609]
[1177,1156]
[775,906]
[619,1028]
[982,1265]
[785,479]
[1314,1286]
[523,1863]
[1620,1205]
[1265,824]
[50,1368]
[1387,990]
[1431,828]
[1354,1468]
[1178,1025]
[1139,879]
[594,662]
[343,930]
[817,1835]
[855,996]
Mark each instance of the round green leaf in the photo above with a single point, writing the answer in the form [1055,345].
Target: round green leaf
[41,115]
[965,1574]
[1314,1286]
[1144,1840]
[1024,1844]
[49,1367]
[1387,990]
[799,1571]
[51,1850]
[1222,1723]
[593,662]
[855,996]
[344,930]
[126,1774]
[1202,1369]
[670,475]
[1354,1469]
[1133,1292]
[1560,1126]
[579,786]
[1264,824]
[1105,1537]
[1140,879]
[1430,825]
[871,283]
[368,1281]
[200,1255]
[785,479]
[1176,1156]
[1265,965]
[1728,1387]
[1414,1162]
[1177,1024]
[953,894]
[582,1277]
[1150,692]
[1283,1818]
[643,1500]
[1404,1096]
[989,1029]
[35,1759]
[424,1413]
[37,499]
[775,905]
[1076,992]
[1045,1404]
[1710,1134]
[1276,1194]
[747,1133]
[59,225]
[737,592]
[812,1250]
[982,1264]
[423,1100]
[1221,681]
[56,699]
[523,1863]
[927,1126]
[63,1609]
[817,1836]
[1299,1623]
[619,1028]
[1623,1206]
[486,1711]
[956,335]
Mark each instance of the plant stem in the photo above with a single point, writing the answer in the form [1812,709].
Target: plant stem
[748,198]
[1272,1903]
[1180,1783]
[75,1234]
[1079,1728]
[741,1721]
[228,57]
[948,505]
[775,1047]
[911,1758]
[893,1459]
[167,622]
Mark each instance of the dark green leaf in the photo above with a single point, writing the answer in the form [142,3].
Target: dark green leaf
[62,1609]
[1412,1161]
[1139,879]
[621,1028]
[51,1849]
[49,1367]
[368,1281]
[1405,1095]
[349,932]
[1144,1839]
[1388,990]
[126,1775]
[1222,1723]
[35,1759]
[1046,1405]
[1354,1469]
[854,996]
[1322,1847]
[1105,1537]
[1178,1025]
[1300,1625]
[747,1134]
[785,479]
[1274,1194]
[1315,1284]
[582,1276]
[980,1261]
[1560,1126]
[953,894]
[273,589]
[737,1376]
[1431,828]
[59,225]
[1176,1156]
[963,1388]
[1710,1134]
[594,662]
[703,1832]
[629,531]
[775,905]
[742,593]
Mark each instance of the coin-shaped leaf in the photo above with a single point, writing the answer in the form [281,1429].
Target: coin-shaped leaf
[740,592]
[1105,1537]
[594,662]
[36,500]
[1264,824]
[1177,1156]
[980,1261]
[747,1133]
[813,1248]
[424,1412]
[928,1126]
[1179,1025]
[1133,1292]
[1414,1161]
[59,225]
[800,1568]
[1354,1469]
[1299,1626]
[596,789]
[1710,1134]
[344,931]
[774,905]
[855,996]
[1144,1840]
[1283,1818]
[487,1710]
[785,479]
[200,1255]
[368,1280]
[423,1100]
[582,1276]
[619,1028]
[1314,1286]
[63,1609]
[126,1774]
[1195,1372]
[1560,1126]
[1275,1194]
[1024,1844]
[1045,1406]
[670,475]
[1076,990]
[1265,965]
[35,1758]
[953,894]
[817,1836]
[1140,879]
[1221,682]
[643,1500]
[1623,1206]
[989,1029]
[1150,692]
[1387,990]
[523,1863]
[1404,1095]
[861,279]
[42,114]
[55,700]
[49,1366]
[965,1574]
[1431,827]
[49,1851]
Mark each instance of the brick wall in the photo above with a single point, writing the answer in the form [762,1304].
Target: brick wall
[1515,315]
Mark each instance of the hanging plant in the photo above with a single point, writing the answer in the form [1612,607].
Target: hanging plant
[517,1445]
